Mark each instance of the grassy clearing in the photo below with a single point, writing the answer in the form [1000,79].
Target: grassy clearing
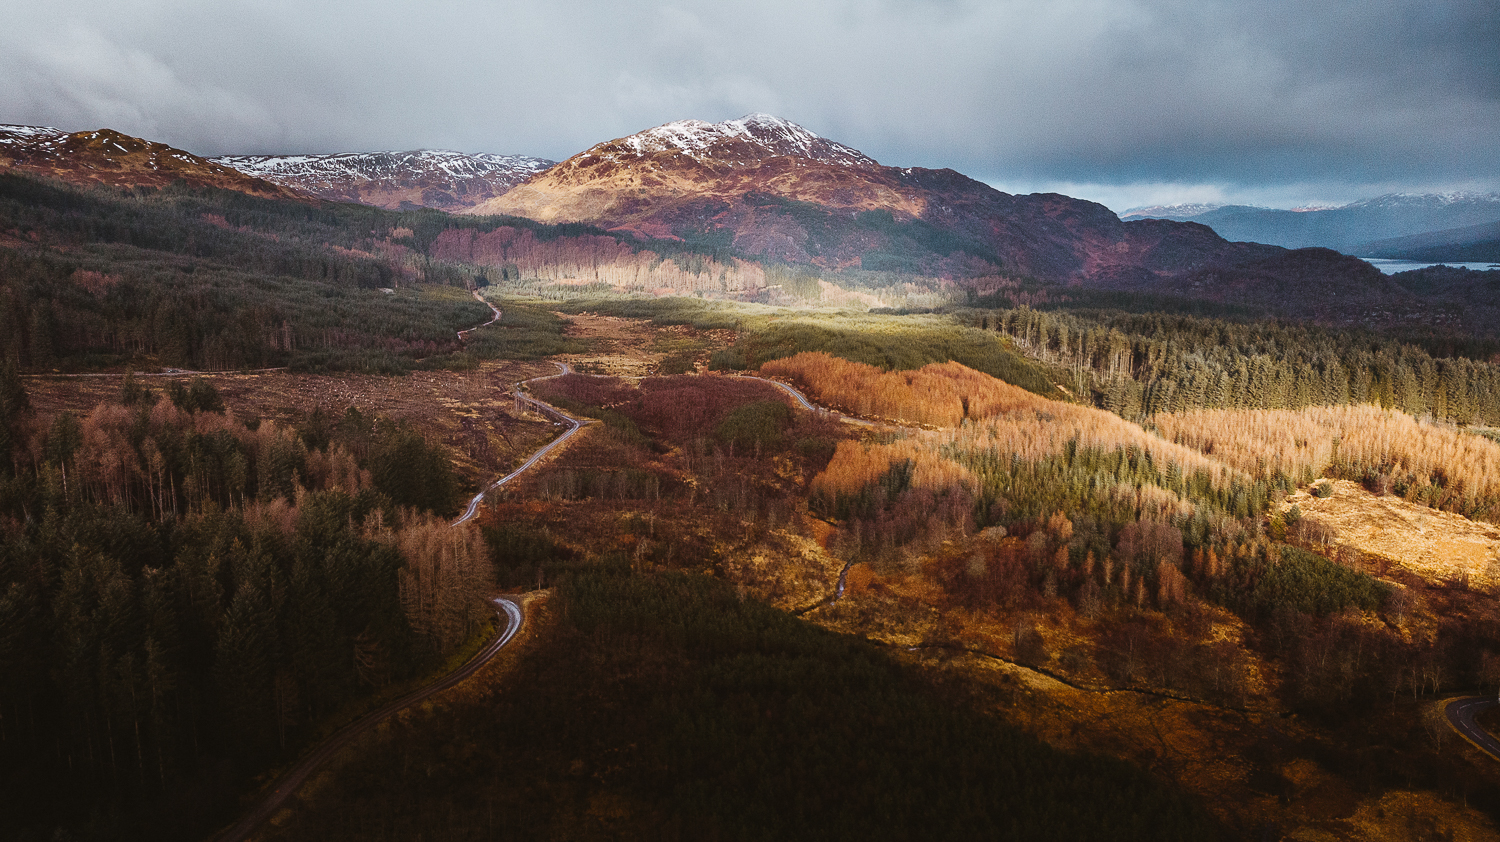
[525,331]
[889,341]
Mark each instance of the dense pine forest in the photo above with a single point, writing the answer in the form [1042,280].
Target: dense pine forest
[667,707]
[187,598]
[1142,365]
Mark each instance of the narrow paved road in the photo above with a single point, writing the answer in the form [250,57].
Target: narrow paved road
[574,424]
[812,407]
[796,395]
[463,335]
[506,609]
[1461,714]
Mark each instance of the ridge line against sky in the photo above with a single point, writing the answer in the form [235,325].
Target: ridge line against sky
[1126,102]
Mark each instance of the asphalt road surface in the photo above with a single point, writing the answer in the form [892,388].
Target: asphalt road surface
[505,608]
[796,395]
[463,335]
[1461,713]
[546,409]
[812,407]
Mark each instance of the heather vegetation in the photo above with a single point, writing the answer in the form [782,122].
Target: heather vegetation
[704,438]
[188,598]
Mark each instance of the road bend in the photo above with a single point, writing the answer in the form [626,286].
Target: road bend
[573,424]
[1462,714]
[463,335]
[812,407]
[509,612]
[796,395]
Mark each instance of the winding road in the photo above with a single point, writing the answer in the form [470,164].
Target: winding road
[1462,714]
[463,335]
[812,407]
[505,608]
[796,395]
[574,424]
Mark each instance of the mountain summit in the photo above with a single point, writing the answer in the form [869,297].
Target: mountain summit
[689,172]
[749,140]
[767,188]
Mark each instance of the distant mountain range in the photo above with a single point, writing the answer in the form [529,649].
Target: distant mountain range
[431,178]
[752,194]
[1405,226]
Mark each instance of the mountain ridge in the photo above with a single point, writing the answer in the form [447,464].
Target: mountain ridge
[434,178]
[773,190]
[758,192]
[106,156]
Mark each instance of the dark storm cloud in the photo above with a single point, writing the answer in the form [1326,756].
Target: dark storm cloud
[1346,96]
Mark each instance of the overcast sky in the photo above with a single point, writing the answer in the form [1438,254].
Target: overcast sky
[1127,102]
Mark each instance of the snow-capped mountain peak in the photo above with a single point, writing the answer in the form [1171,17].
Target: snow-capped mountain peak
[1427,200]
[750,138]
[374,166]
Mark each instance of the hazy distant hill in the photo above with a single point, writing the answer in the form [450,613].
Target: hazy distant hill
[431,178]
[1472,243]
[1348,229]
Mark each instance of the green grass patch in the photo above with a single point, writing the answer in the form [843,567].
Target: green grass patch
[525,331]
[891,341]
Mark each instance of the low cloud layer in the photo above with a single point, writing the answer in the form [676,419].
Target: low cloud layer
[1128,101]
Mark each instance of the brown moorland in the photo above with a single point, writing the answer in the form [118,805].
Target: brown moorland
[470,412]
[106,156]
[1190,692]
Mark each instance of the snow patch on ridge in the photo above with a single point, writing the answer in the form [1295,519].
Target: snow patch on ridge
[12,135]
[1183,211]
[359,167]
[774,136]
